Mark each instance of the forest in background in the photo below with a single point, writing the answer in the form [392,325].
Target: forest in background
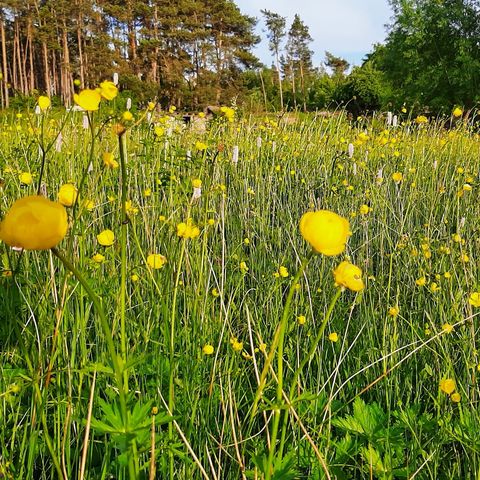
[193,53]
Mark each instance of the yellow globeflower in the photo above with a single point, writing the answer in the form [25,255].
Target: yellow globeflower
[88,99]
[196,183]
[349,276]
[447,385]
[26,178]
[106,238]
[67,194]
[109,161]
[98,258]
[474,299]
[43,103]
[326,231]
[34,223]
[397,177]
[156,261]
[208,349]
[188,230]
[108,90]
[457,112]
[127,116]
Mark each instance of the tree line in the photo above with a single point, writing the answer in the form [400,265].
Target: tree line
[193,53]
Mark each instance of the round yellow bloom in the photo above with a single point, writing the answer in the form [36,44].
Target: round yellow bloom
[208,349]
[127,116]
[196,183]
[397,177]
[108,90]
[43,102]
[67,194]
[421,119]
[34,223]
[187,230]
[474,299]
[301,319]
[333,337]
[326,231]
[283,272]
[349,276]
[26,178]
[393,311]
[98,258]
[156,261]
[455,397]
[88,99]
[106,238]
[364,209]
[447,385]
[457,112]
[109,161]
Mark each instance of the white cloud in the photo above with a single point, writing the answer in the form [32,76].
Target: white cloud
[346,28]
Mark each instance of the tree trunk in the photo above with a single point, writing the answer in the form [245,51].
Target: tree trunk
[279,79]
[5,99]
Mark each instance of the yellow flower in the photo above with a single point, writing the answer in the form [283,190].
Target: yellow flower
[326,231]
[196,183]
[394,311]
[108,90]
[200,146]
[301,319]
[89,205]
[127,116]
[447,385]
[188,230]
[88,99]
[67,195]
[34,223]
[106,238]
[434,287]
[208,349]
[364,209]
[134,278]
[349,276]
[159,131]
[236,345]
[26,178]
[283,272]
[43,103]
[333,337]
[447,328]
[397,177]
[156,261]
[457,112]
[455,397]
[98,258]
[150,106]
[109,161]
[421,119]
[421,281]
[243,267]
[474,299]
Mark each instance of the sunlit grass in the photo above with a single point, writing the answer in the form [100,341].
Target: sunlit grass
[223,288]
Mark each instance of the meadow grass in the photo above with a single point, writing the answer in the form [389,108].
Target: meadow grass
[367,404]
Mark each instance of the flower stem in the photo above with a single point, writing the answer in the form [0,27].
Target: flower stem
[118,366]
[279,341]
[123,257]
[171,391]
[304,362]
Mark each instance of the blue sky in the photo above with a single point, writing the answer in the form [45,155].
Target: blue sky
[346,28]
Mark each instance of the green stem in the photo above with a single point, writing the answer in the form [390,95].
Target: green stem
[304,362]
[117,366]
[279,340]
[123,258]
[171,391]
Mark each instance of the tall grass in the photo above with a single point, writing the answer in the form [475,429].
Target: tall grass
[366,406]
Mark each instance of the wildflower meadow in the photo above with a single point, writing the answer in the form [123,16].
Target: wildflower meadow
[238,297]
